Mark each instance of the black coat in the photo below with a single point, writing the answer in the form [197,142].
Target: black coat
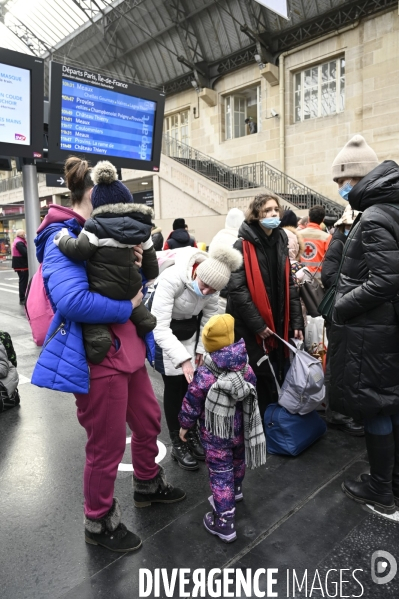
[180,238]
[111,268]
[364,338]
[248,321]
[332,259]
[20,262]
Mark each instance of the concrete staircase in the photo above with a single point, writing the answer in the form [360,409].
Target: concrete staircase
[254,178]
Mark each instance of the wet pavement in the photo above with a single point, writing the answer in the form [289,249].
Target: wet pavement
[294,517]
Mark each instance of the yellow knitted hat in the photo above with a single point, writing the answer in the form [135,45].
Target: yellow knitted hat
[218,332]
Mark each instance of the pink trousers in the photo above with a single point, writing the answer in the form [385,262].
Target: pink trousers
[113,401]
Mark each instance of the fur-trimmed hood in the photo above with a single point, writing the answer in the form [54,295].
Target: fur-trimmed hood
[129,223]
[124,209]
[296,244]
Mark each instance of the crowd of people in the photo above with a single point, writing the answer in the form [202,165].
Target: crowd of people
[210,327]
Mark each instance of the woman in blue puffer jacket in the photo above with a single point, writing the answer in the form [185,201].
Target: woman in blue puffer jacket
[108,395]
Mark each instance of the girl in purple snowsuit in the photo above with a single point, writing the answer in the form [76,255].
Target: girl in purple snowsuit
[222,397]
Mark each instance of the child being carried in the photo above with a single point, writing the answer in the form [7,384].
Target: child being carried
[222,396]
[107,244]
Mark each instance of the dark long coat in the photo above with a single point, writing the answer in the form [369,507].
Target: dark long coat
[332,259]
[248,321]
[364,338]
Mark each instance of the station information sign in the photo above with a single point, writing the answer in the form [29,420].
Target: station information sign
[21,97]
[97,116]
[15,116]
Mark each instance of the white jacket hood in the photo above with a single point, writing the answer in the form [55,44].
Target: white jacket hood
[234,219]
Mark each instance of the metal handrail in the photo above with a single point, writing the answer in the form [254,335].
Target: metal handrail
[248,176]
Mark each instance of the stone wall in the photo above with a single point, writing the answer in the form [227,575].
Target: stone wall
[371,51]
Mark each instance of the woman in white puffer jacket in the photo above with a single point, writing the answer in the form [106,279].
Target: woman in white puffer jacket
[185,290]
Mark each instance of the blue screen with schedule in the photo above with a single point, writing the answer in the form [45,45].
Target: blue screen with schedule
[104,122]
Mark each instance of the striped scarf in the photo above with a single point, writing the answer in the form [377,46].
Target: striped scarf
[220,409]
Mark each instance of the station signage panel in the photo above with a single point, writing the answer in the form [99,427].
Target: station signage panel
[144,197]
[101,117]
[21,104]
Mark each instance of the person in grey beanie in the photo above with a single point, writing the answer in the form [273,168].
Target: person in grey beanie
[364,338]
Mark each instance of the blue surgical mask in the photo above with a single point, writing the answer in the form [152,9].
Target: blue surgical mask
[270,223]
[346,232]
[196,288]
[345,190]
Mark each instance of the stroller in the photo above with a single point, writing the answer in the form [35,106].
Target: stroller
[9,379]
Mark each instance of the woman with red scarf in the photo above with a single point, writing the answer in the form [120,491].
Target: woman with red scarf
[262,296]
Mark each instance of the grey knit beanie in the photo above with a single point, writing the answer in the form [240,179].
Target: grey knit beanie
[215,271]
[356,159]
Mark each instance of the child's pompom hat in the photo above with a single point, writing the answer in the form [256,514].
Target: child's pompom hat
[107,188]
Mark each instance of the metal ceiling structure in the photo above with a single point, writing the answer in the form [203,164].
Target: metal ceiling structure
[171,44]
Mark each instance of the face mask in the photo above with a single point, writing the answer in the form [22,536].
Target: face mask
[196,288]
[270,223]
[346,232]
[344,190]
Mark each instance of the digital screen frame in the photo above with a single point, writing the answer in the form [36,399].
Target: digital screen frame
[92,107]
[19,120]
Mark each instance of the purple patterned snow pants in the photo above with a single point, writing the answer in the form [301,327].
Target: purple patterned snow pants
[225,459]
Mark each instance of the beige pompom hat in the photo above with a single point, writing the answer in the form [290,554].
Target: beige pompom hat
[356,159]
[215,271]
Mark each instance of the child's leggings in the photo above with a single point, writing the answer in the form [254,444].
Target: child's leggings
[225,459]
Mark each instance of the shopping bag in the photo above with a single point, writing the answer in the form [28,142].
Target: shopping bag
[291,434]
[312,294]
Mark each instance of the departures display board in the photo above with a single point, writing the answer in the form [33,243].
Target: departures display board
[95,116]
[21,104]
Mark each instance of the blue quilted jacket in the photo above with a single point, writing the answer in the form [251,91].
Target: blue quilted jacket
[62,364]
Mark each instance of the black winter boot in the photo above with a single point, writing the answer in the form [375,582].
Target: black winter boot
[195,445]
[377,490]
[155,490]
[181,453]
[109,532]
[365,478]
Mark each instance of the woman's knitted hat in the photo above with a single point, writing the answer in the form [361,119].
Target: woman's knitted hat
[215,271]
[356,159]
[107,189]
[234,219]
[218,332]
